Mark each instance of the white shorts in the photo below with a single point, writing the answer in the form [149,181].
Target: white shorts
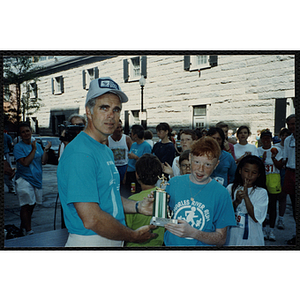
[76,240]
[28,194]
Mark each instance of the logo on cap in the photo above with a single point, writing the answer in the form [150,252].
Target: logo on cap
[108,84]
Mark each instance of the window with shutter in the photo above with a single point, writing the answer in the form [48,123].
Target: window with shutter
[57,84]
[199,62]
[32,89]
[89,75]
[134,68]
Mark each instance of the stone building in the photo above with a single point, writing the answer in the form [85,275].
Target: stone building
[187,91]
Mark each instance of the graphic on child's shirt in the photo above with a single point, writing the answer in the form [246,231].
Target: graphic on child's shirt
[193,212]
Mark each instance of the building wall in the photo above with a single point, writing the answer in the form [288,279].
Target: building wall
[241,89]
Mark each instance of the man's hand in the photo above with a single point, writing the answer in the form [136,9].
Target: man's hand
[144,233]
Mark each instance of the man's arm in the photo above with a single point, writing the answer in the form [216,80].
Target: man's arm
[183,229]
[105,225]
[144,207]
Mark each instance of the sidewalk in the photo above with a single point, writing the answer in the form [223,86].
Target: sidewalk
[43,215]
[43,218]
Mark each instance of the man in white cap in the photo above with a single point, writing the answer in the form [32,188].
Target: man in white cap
[88,180]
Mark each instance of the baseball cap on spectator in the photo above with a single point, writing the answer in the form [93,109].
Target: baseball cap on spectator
[103,85]
[266,132]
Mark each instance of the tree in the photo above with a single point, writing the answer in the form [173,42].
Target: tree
[16,71]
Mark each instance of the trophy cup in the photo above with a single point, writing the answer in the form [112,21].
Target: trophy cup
[160,215]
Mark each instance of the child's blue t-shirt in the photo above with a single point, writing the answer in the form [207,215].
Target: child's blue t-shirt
[32,173]
[225,170]
[211,209]
[86,173]
[139,150]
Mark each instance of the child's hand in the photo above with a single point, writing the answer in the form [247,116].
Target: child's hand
[167,169]
[239,197]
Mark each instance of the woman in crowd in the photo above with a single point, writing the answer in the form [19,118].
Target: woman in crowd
[30,157]
[164,149]
[243,148]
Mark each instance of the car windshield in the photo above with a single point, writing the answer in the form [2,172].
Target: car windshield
[54,141]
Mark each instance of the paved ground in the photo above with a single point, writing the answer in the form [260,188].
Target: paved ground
[47,217]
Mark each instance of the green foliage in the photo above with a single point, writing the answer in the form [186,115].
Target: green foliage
[20,70]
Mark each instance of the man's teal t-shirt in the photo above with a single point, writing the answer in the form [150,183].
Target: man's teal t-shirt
[86,173]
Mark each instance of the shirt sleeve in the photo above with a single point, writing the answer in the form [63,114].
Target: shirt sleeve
[260,203]
[19,152]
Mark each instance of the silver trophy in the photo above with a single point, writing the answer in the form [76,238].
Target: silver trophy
[161,215]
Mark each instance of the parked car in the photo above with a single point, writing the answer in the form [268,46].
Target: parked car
[53,152]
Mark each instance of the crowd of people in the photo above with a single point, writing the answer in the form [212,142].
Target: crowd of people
[222,190]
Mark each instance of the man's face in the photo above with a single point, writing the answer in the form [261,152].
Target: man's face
[292,125]
[201,168]
[105,117]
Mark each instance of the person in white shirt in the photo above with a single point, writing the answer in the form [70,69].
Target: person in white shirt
[289,155]
[242,148]
[120,145]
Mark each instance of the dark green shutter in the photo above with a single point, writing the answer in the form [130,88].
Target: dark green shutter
[83,79]
[213,60]
[280,114]
[35,90]
[186,62]
[144,66]
[96,72]
[125,70]
[52,85]
[61,84]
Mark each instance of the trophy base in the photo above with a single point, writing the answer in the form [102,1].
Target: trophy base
[162,221]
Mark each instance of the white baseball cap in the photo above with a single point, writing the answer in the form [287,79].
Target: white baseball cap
[103,85]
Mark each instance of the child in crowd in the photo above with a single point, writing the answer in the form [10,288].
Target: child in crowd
[201,205]
[225,171]
[272,158]
[242,148]
[250,202]
[148,168]
[164,149]
[187,138]
[137,149]
[148,136]
[283,134]
[183,162]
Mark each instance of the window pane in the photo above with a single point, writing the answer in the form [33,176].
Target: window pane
[200,110]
